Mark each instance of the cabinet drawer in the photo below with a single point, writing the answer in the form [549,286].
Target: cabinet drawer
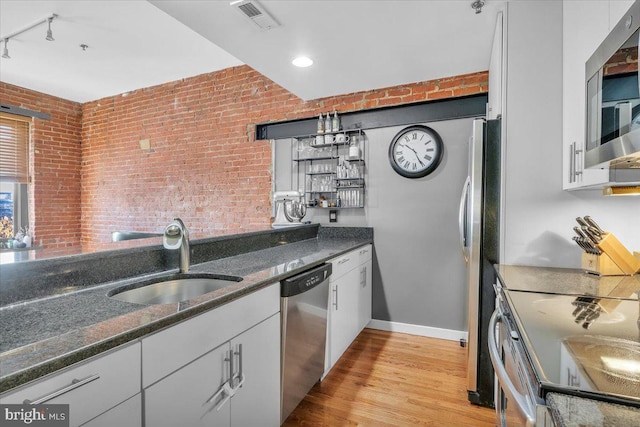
[89,388]
[174,347]
[344,263]
[126,414]
[364,254]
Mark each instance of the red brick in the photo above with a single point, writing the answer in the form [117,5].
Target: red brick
[201,130]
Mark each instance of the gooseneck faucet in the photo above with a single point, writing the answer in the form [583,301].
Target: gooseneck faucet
[176,236]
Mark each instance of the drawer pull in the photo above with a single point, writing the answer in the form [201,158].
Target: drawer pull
[75,383]
[342,261]
[364,251]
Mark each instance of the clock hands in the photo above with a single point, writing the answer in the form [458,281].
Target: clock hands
[414,152]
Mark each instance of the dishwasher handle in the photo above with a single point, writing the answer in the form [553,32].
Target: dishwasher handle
[305,281]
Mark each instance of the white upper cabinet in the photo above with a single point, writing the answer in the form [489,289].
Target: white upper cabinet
[494,105]
[586,23]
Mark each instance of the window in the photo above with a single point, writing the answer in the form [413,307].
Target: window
[14,174]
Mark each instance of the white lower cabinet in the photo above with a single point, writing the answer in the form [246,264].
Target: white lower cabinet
[186,397]
[364,299]
[232,372]
[257,403]
[349,302]
[90,388]
[343,317]
[126,414]
[203,393]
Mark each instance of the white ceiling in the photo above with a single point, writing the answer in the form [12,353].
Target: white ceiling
[356,44]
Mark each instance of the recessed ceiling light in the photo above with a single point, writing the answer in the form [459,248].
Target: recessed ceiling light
[302,61]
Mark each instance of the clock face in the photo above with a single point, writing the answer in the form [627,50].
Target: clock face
[415,151]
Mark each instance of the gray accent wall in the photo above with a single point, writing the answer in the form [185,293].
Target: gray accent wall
[419,274]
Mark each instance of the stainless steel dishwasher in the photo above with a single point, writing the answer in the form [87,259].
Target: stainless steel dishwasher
[303,313]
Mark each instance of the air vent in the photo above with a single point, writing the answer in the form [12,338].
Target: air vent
[252,10]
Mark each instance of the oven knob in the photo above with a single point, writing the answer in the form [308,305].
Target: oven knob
[514,335]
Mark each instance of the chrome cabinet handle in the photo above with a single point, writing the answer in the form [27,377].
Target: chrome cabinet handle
[501,372]
[574,156]
[572,162]
[363,277]
[75,383]
[335,297]
[461,222]
[240,376]
[342,261]
[577,156]
[229,388]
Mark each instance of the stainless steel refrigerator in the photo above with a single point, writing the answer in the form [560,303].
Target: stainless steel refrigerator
[479,222]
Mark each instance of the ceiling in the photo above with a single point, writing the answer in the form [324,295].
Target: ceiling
[355,44]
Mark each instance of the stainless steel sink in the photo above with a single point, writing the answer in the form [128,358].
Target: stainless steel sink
[172,289]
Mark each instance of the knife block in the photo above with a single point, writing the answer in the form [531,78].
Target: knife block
[602,265]
[615,259]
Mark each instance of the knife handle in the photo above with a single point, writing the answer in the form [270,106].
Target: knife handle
[582,222]
[593,224]
[579,232]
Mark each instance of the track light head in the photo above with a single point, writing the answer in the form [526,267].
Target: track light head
[5,51]
[49,33]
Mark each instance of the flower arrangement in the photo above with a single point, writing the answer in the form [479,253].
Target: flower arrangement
[6,227]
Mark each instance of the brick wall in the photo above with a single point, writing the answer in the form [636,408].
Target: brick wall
[54,203]
[202,163]
[623,61]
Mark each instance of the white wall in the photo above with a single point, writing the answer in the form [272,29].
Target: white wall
[539,216]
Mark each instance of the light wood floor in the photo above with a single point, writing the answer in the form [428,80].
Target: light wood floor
[393,379]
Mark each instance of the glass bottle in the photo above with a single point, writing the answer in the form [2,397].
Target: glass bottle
[320,124]
[327,123]
[335,123]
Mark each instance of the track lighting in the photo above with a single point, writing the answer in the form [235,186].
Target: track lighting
[47,20]
[49,33]
[5,52]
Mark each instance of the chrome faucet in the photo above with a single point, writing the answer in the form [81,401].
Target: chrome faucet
[176,236]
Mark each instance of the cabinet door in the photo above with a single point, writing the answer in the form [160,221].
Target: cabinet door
[194,337]
[257,402]
[126,414]
[364,298]
[585,26]
[182,398]
[345,293]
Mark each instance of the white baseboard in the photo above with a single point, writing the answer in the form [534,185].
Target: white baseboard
[425,331]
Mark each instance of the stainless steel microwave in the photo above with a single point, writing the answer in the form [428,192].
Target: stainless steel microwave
[613,98]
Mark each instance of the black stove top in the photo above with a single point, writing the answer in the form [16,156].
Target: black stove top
[583,344]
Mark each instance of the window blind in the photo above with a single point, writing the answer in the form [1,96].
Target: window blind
[14,149]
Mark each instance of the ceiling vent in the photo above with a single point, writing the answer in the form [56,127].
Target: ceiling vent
[252,10]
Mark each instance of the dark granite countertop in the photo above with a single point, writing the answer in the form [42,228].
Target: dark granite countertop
[40,336]
[572,411]
[567,281]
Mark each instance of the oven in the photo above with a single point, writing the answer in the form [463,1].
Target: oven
[517,399]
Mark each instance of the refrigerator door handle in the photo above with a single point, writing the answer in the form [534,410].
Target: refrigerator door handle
[462,220]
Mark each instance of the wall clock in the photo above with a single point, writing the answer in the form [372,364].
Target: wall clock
[415,151]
